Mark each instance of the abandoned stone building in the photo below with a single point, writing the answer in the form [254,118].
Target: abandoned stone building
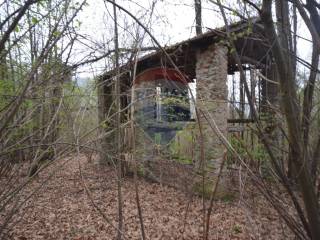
[169,132]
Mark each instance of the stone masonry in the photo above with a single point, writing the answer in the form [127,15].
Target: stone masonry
[211,73]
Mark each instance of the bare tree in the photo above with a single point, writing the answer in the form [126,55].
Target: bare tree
[197,8]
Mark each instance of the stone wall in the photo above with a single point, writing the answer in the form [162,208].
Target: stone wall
[211,73]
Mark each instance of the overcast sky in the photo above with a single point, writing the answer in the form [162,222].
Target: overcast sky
[172,21]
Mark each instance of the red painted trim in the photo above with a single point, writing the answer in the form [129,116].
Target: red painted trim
[153,74]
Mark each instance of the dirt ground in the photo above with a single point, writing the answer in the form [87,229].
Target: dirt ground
[62,209]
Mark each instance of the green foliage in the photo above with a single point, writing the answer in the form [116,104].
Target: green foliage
[157,138]
[17,29]
[56,33]
[141,171]
[34,20]
[182,143]
[204,190]
[258,154]
[237,229]
[174,101]
[78,99]
[41,3]
[182,159]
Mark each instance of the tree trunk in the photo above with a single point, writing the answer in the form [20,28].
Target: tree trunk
[291,108]
[118,124]
[197,8]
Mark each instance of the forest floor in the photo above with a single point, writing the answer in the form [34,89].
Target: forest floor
[62,209]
